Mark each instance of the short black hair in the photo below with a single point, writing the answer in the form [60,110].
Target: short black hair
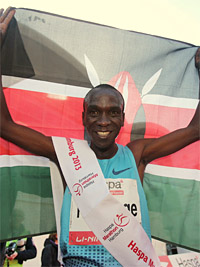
[102,87]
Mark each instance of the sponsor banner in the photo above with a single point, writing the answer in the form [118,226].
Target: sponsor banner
[181,260]
[121,234]
[69,154]
[83,238]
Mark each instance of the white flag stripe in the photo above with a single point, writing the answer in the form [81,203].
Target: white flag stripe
[44,87]
[29,160]
[168,101]
[23,160]
[150,83]
[80,92]
[92,74]
[178,173]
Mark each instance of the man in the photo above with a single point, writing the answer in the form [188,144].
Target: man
[18,251]
[103,117]
[49,257]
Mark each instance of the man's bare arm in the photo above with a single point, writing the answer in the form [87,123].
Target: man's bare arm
[178,139]
[5,18]
[173,141]
[146,150]
[22,136]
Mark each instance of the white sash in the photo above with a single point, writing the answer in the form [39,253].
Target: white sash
[114,226]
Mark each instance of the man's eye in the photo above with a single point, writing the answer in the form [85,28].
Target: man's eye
[114,113]
[94,113]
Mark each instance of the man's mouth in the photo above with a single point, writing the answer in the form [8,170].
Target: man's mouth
[103,134]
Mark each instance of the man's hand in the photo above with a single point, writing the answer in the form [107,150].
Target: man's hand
[197,59]
[12,257]
[5,18]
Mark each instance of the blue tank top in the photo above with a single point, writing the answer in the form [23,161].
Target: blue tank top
[121,166]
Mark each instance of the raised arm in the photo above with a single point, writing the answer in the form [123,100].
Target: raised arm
[173,141]
[22,136]
[5,18]
[146,150]
[197,59]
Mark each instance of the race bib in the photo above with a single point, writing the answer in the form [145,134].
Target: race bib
[124,190]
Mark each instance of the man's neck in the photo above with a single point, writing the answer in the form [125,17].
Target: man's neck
[106,153]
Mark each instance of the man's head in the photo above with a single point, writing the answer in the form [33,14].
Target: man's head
[103,116]
[107,89]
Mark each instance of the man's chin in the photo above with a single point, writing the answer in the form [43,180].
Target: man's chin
[102,145]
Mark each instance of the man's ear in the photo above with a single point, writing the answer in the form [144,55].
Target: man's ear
[83,118]
[123,118]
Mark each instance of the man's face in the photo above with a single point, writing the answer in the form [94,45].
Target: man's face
[103,118]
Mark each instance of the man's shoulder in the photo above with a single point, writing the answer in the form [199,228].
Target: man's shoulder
[138,143]
[137,147]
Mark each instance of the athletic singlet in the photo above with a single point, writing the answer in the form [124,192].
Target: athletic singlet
[120,173]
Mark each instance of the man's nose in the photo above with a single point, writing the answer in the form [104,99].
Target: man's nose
[103,120]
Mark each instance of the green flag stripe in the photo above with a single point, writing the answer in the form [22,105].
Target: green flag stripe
[177,210]
[26,190]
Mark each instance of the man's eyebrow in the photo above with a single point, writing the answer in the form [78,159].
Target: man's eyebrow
[115,107]
[99,106]
[92,106]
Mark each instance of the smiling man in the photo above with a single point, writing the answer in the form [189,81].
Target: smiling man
[103,117]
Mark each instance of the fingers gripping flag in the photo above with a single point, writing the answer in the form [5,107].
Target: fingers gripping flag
[48,69]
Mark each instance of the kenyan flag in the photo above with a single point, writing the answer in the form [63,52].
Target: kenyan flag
[49,64]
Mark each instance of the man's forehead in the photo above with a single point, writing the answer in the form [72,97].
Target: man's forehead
[104,100]
[104,94]
[104,97]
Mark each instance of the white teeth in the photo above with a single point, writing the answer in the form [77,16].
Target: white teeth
[103,134]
